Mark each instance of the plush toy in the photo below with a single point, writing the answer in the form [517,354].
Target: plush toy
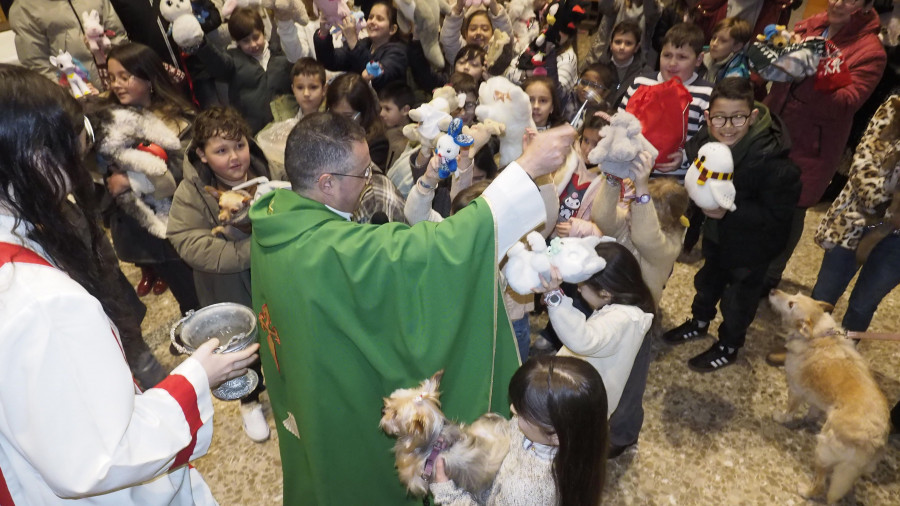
[562,17]
[333,10]
[295,7]
[521,15]
[504,102]
[496,46]
[575,257]
[620,143]
[184,28]
[708,180]
[97,36]
[374,68]
[136,142]
[425,16]
[447,147]
[775,36]
[433,117]
[71,74]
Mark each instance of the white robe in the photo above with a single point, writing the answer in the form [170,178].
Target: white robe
[74,428]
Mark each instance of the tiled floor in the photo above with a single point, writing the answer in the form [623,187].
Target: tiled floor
[707,439]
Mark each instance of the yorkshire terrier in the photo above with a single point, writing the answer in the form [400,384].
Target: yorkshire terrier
[472,453]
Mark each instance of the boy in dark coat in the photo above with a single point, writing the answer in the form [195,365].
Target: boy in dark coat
[738,245]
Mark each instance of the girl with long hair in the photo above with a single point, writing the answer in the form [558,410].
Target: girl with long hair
[350,96]
[614,338]
[57,303]
[557,453]
[139,81]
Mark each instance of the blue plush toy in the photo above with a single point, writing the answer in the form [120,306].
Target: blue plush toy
[448,145]
[374,68]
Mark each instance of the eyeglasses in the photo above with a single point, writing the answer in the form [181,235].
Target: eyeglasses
[590,84]
[123,79]
[737,120]
[367,174]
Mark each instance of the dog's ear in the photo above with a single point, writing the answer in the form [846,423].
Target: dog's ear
[437,377]
[212,191]
[828,308]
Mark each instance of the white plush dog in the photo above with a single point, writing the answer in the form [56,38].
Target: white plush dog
[574,257]
[433,118]
[504,102]
[708,180]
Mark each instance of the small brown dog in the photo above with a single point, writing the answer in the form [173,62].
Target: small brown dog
[233,207]
[824,370]
[472,454]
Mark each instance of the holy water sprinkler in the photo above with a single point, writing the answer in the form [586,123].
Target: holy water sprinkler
[590,96]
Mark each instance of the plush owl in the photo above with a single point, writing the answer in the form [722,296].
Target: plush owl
[709,179]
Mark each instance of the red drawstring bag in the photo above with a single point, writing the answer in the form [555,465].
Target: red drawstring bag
[663,112]
[832,72]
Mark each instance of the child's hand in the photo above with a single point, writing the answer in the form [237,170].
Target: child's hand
[549,284]
[673,163]
[577,227]
[221,367]
[715,214]
[643,166]
[431,175]
[348,27]
[440,475]
[117,183]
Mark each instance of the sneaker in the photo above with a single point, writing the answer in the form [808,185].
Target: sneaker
[255,424]
[776,357]
[685,332]
[713,359]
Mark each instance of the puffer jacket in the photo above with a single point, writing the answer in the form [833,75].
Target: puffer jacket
[221,267]
[873,178]
[819,123]
[43,27]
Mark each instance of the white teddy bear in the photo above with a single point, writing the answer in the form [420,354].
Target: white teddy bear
[709,179]
[186,30]
[620,144]
[433,118]
[575,257]
[504,102]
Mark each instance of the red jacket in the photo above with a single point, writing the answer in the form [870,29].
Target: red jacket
[819,123]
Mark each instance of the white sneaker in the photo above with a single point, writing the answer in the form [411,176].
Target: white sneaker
[255,424]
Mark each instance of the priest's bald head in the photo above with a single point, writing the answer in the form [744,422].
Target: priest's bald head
[327,160]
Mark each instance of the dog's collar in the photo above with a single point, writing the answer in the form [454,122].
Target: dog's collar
[436,450]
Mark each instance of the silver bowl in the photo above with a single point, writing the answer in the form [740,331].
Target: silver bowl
[235,327]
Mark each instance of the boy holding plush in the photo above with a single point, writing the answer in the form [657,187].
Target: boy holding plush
[222,155]
[738,245]
[680,57]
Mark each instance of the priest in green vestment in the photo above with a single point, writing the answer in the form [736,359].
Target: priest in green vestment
[348,312]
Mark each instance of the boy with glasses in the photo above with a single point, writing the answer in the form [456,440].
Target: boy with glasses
[738,245]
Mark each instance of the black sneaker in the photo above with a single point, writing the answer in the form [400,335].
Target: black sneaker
[685,332]
[713,359]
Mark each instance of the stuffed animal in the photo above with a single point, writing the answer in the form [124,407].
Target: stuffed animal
[333,10]
[136,142]
[620,144]
[70,74]
[97,36]
[433,117]
[504,102]
[574,257]
[562,17]
[425,16]
[708,180]
[447,147]
[775,35]
[295,7]
[185,29]
[496,47]
[524,22]
[374,68]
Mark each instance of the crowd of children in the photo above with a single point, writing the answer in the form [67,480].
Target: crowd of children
[375,75]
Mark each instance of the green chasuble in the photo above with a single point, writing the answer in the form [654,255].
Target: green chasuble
[349,313]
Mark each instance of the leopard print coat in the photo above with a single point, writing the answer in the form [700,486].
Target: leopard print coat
[873,179]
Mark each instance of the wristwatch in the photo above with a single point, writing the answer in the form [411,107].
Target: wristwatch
[642,199]
[553,298]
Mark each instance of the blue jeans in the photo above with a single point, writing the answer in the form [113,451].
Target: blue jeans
[522,328]
[878,276]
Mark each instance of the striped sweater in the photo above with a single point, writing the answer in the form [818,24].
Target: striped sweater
[700,89]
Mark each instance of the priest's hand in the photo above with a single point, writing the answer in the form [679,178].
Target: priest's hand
[221,367]
[544,152]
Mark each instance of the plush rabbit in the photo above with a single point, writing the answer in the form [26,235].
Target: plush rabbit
[97,36]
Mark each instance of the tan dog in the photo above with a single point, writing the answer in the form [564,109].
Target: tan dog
[824,370]
[472,454]
[233,207]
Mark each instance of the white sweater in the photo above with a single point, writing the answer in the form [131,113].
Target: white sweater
[608,340]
